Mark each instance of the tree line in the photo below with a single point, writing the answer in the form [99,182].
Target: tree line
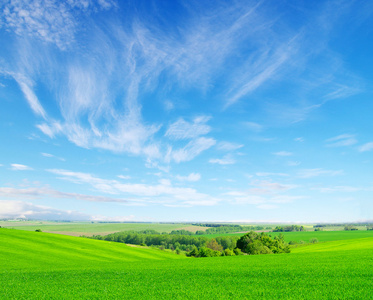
[197,246]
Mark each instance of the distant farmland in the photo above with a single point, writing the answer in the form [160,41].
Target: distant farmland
[37,265]
[89,228]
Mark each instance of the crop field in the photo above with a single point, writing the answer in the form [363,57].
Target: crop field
[88,228]
[38,265]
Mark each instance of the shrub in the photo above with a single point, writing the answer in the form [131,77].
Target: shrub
[38,230]
[254,243]
[237,251]
[229,252]
[314,240]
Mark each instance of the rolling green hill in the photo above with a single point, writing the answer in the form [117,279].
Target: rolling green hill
[47,266]
[38,250]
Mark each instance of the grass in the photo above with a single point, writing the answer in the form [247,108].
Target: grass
[46,266]
[88,228]
[322,236]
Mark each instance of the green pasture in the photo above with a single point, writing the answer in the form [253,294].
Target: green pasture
[88,228]
[46,266]
[322,236]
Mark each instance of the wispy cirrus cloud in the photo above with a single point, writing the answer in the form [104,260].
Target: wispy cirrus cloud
[182,129]
[309,173]
[191,177]
[227,146]
[266,174]
[51,21]
[190,151]
[19,167]
[253,126]
[341,140]
[102,76]
[283,153]
[51,156]
[339,189]
[226,160]
[366,147]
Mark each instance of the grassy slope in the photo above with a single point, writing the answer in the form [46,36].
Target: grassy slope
[20,250]
[100,270]
[88,228]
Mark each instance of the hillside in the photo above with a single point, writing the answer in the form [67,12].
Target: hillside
[47,266]
[37,250]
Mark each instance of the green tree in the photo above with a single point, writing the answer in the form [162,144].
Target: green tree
[213,244]
[254,243]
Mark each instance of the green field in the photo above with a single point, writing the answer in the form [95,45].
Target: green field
[322,236]
[47,266]
[88,228]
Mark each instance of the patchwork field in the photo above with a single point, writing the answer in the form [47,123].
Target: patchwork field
[46,266]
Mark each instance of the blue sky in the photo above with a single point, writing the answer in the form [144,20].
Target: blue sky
[255,111]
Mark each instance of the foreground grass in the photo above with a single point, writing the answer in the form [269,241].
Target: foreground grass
[336,270]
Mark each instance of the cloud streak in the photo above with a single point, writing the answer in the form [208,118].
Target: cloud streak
[162,193]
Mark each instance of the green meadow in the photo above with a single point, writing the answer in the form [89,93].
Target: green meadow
[306,236]
[38,265]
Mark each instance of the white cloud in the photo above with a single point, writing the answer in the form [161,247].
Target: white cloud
[191,150]
[341,140]
[226,160]
[227,146]
[51,21]
[31,98]
[299,139]
[273,196]
[266,174]
[309,173]
[50,129]
[366,147]
[253,126]
[190,177]
[260,187]
[260,73]
[52,156]
[19,167]
[31,193]
[163,193]
[182,129]
[283,153]
[125,177]
[25,210]
[342,189]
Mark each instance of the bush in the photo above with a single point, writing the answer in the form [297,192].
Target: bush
[237,251]
[314,241]
[229,252]
[38,230]
[254,243]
